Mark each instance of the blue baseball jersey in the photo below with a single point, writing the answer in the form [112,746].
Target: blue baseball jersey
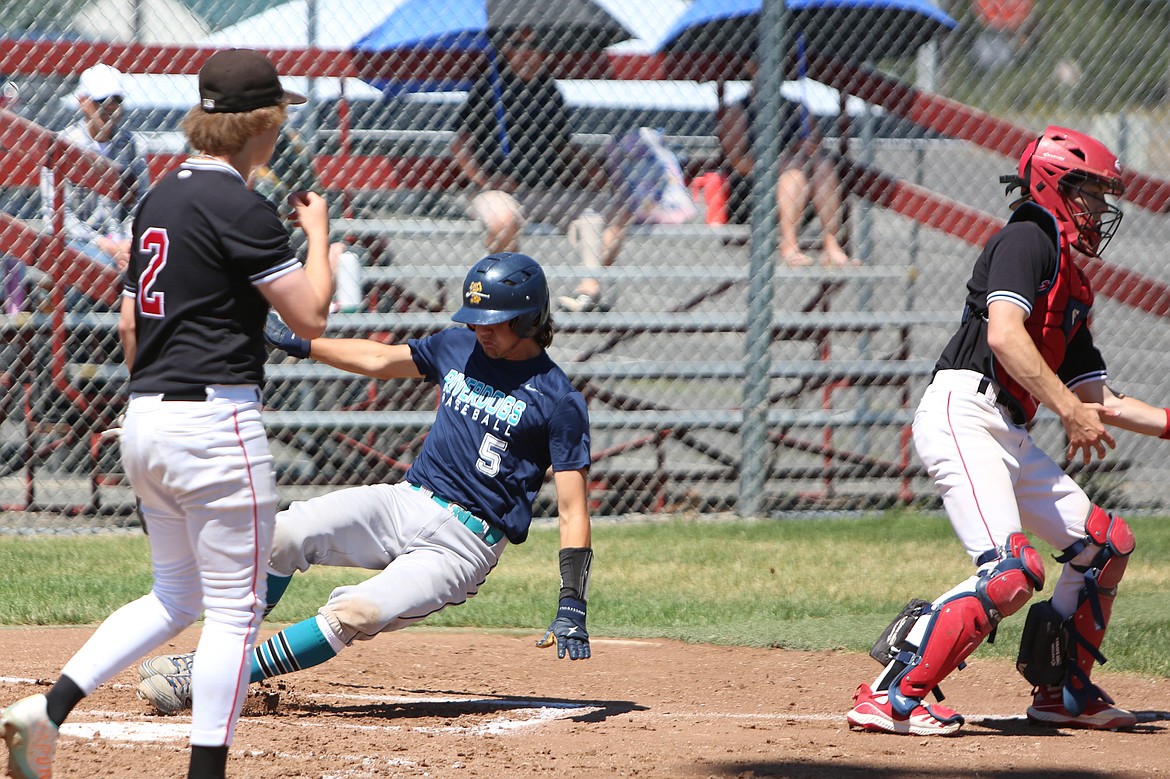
[499,426]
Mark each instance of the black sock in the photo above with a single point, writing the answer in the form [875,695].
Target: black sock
[208,763]
[62,697]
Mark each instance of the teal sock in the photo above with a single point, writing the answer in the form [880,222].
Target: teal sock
[276,587]
[296,647]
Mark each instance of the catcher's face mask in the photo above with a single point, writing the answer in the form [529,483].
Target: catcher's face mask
[1094,217]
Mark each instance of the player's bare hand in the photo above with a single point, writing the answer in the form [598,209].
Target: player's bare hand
[310,212]
[117,249]
[1086,432]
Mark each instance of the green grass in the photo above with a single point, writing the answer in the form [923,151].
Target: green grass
[806,584]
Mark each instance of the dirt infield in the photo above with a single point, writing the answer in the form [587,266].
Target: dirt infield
[441,703]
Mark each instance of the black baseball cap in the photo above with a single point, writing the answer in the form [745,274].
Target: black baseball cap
[237,80]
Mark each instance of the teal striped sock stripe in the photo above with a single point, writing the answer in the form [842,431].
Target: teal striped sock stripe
[295,648]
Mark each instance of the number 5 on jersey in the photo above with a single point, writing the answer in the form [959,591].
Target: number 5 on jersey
[490,450]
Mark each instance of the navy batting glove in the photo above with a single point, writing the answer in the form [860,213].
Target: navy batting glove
[277,333]
[568,630]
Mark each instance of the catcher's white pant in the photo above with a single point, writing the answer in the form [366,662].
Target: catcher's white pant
[993,479]
[204,478]
[426,558]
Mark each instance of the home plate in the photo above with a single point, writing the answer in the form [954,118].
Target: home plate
[129,731]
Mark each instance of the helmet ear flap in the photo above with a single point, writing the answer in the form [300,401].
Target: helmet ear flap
[544,317]
[528,325]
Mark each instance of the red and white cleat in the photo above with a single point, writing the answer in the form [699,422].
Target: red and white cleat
[1048,709]
[872,712]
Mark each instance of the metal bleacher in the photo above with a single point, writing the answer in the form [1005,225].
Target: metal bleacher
[663,387]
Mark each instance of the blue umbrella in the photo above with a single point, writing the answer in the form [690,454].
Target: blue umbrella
[566,25]
[854,29]
[417,36]
[386,25]
[441,43]
[449,25]
[452,36]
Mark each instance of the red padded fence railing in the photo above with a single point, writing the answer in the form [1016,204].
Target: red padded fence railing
[957,120]
[24,148]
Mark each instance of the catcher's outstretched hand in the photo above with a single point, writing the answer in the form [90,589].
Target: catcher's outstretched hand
[567,631]
[278,334]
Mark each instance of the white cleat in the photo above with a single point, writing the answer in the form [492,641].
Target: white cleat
[31,737]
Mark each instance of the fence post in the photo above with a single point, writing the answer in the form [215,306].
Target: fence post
[771,56]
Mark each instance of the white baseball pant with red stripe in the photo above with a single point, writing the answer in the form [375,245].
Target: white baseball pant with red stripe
[993,479]
[203,474]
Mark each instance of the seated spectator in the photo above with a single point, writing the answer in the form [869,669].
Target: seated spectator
[513,142]
[806,174]
[96,225]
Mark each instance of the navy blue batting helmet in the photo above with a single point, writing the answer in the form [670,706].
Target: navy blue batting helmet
[502,287]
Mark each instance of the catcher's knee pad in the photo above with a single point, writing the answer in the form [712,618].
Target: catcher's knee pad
[959,621]
[1009,574]
[1102,554]
[1101,557]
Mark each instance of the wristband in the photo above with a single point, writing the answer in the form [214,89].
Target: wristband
[572,609]
[1166,430]
[278,334]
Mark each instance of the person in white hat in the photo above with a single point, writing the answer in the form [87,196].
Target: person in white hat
[96,225]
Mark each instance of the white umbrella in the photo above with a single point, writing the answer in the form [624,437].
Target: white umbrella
[142,21]
[340,24]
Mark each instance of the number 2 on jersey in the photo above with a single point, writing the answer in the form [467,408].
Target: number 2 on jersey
[155,242]
[490,450]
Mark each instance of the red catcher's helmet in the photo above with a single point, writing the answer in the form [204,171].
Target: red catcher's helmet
[1053,170]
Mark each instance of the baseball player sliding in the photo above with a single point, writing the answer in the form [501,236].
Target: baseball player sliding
[1024,340]
[209,256]
[506,414]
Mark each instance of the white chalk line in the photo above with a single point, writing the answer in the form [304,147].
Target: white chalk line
[541,711]
[123,730]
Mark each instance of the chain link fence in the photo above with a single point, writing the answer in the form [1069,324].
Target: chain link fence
[897,123]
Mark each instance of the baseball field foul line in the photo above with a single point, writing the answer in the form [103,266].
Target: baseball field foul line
[118,726]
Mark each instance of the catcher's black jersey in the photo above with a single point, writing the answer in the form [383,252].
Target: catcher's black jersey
[1022,264]
[201,242]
